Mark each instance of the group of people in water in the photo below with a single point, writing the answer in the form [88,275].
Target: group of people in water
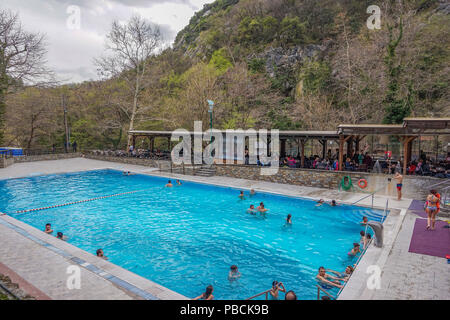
[234,274]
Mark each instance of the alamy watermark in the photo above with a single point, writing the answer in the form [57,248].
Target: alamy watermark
[374,21]
[74,278]
[73,21]
[228,146]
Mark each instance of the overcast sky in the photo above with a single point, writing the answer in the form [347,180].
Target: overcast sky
[71,50]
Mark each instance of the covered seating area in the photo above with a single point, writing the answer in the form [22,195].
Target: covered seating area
[351,147]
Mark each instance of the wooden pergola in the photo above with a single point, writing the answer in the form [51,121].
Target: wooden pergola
[352,134]
[407,132]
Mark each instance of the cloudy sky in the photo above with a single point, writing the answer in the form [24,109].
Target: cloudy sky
[72,46]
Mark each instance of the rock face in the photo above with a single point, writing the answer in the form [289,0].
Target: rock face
[282,59]
[444,7]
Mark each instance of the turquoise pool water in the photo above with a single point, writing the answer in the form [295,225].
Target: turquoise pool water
[186,238]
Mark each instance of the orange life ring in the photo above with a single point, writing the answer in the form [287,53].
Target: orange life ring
[362,183]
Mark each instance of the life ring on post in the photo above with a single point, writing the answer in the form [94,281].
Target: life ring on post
[362,183]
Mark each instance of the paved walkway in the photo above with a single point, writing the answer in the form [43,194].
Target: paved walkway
[401,269]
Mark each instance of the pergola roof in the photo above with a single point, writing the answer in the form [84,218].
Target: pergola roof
[410,127]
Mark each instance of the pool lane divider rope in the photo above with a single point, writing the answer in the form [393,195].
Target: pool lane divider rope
[78,202]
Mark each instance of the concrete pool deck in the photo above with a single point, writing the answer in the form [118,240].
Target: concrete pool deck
[45,267]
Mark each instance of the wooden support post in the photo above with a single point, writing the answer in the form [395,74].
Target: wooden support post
[341,152]
[283,148]
[324,148]
[407,143]
[302,148]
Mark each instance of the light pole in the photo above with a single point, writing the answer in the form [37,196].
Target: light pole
[211,109]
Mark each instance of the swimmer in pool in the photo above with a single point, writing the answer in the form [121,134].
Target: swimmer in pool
[241,195]
[320,202]
[169,184]
[355,250]
[364,221]
[234,273]
[251,210]
[61,236]
[252,192]
[48,228]
[333,203]
[344,276]
[100,254]
[289,219]
[179,183]
[327,279]
[276,288]
[262,209]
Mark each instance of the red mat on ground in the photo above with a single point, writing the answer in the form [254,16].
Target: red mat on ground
[430,242]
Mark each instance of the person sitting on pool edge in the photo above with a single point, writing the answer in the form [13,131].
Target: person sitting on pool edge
[276,288]
[234,273]
[241,195]
[251,210]
[261,208]
[100,254]
[169,184]
[355,250]
[323,277]
[207,295]
[61,236]
[48,228]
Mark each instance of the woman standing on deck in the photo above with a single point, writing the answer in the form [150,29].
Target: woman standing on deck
[431,208]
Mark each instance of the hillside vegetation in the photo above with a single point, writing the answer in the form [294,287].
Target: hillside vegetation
[287,64]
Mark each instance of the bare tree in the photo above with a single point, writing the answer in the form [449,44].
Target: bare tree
[22,59]
[131,46]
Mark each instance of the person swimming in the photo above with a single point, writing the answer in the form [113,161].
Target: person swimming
[327,281]
[234,273]
[179,183]
[241,195]
[61,236]
[169,184]
[252,209]
[276,288]
[100,254]
[252,192]
[343,276]
[333,203]
[364,220]
[356,249]
[289,219]
[207,295]
[262,209]
[320,202]
[48,228]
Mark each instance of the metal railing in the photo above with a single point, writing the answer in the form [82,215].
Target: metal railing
[370,195]
[260,294]
[324,291]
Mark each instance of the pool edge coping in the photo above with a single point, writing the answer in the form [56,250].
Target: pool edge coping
[129,282]
[154,172]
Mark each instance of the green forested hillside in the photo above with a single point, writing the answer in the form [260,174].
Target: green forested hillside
[287,64]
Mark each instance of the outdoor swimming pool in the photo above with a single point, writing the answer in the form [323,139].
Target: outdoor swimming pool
[186,238]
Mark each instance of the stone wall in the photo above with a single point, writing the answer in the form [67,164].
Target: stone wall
[414,186]
[47,157]
[162,164]
[7,162]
